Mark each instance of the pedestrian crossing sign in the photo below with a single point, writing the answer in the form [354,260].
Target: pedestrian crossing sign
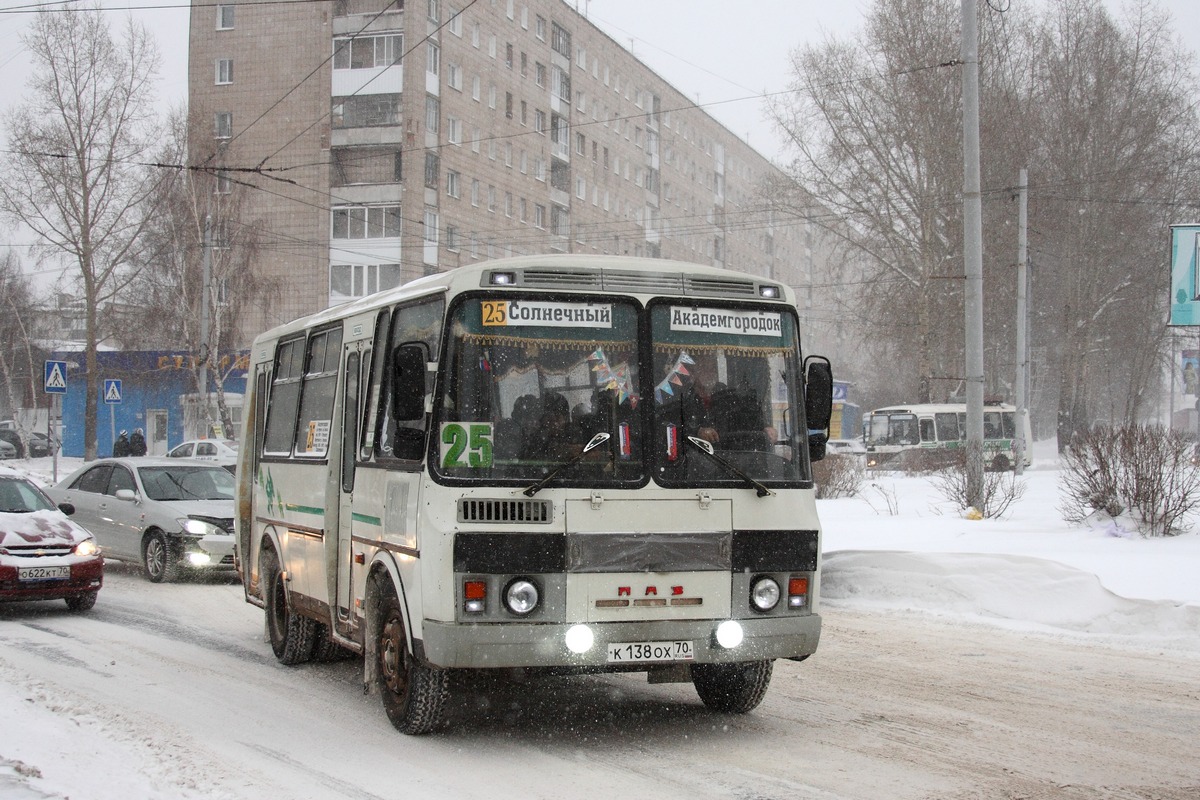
[56,377]
[112,391]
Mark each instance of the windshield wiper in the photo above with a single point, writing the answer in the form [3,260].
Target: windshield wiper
[707,448]
[597,440]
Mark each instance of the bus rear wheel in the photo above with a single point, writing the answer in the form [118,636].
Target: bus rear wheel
[732,688]
[292,636]
[414,695]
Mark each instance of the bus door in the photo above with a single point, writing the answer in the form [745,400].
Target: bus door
[354,361]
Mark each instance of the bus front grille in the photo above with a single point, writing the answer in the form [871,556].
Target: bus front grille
[504,511]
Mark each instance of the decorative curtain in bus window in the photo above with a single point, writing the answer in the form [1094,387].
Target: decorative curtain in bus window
[316,396]
[728,376]
[285,395]
[530,381]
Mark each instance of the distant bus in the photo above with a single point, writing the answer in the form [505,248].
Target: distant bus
[926,435]
[566,463]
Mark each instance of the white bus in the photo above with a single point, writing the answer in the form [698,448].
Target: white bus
[928,435]
[565,462]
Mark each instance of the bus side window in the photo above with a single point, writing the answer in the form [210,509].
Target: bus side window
[422,323]
[927,434]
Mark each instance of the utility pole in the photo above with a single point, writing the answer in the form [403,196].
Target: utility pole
[206,262]
[1020,444]
[972,254]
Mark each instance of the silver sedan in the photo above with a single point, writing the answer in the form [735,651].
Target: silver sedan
[168,514]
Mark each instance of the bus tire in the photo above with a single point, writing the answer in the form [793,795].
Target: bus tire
[325,648]
[292,636]
[732,688]
[414,695]
[1001,463]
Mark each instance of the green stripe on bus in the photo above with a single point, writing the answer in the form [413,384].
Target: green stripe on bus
[366,518]
[320,512]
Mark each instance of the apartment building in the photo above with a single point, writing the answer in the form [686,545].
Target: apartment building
[374,143]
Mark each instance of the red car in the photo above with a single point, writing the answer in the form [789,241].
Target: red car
[44,555]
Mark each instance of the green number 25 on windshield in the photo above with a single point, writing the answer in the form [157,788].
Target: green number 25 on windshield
[466,445]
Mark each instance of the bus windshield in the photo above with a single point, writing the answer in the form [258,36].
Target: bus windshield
[530,382]
[728,377]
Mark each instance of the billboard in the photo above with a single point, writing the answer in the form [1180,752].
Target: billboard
[1185,275]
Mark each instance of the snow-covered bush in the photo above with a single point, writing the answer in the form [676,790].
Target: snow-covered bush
[838,476]
[1144,473]
[1000,487]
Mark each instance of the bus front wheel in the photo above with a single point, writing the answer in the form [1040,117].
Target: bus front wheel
[292,636]
[414,695]
[732,688]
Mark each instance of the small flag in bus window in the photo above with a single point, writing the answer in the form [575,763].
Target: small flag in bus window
[623,437]
[485,363]
[672,443]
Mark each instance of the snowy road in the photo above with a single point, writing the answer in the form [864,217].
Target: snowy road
[170,691]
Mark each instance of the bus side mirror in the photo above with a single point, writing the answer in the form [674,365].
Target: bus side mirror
[408,382]
[818,403]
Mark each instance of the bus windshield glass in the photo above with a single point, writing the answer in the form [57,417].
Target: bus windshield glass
[528,382]
[729,377]
[894,429]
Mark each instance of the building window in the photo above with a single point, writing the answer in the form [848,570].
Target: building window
[508,204]
[366,222]
[560,84]
[539,121]
[224,184]
[365,110]
[492,97]
[367,52]
[580,144]
[224,17]
[524,113]
[539,74]
[451,238]
[435,12]
[430,232]
[432,113]
[455,20]
[452,183]
[560,40]
[359,280]
[434,58]
[539,216]
[539,27]
[475,192]
[508,105]
[432,167]
[223,125]
[524,206]
[454,130]
[224,71]
[524,64]
[508,56]
[560,221]
[491,198]
[475,88]
[454,76]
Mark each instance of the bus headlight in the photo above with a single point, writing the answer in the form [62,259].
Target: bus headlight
[764,594]
[580,639]
[521,596]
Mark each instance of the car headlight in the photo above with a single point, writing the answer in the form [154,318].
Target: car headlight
[87,547]
[199,527]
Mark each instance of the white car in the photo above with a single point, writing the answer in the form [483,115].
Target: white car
[223,450]
[845,447]
[167,513]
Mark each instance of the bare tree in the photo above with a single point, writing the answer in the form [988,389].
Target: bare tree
[17,372]
[202,225]
[874,123]
[1092,107]
[78,139]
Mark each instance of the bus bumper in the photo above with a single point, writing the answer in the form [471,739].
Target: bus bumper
[483,646]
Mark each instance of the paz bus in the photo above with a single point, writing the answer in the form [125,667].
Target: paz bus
[927,435]
[548,463]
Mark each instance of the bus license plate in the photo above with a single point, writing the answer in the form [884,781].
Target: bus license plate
[619,652]
[43,573]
